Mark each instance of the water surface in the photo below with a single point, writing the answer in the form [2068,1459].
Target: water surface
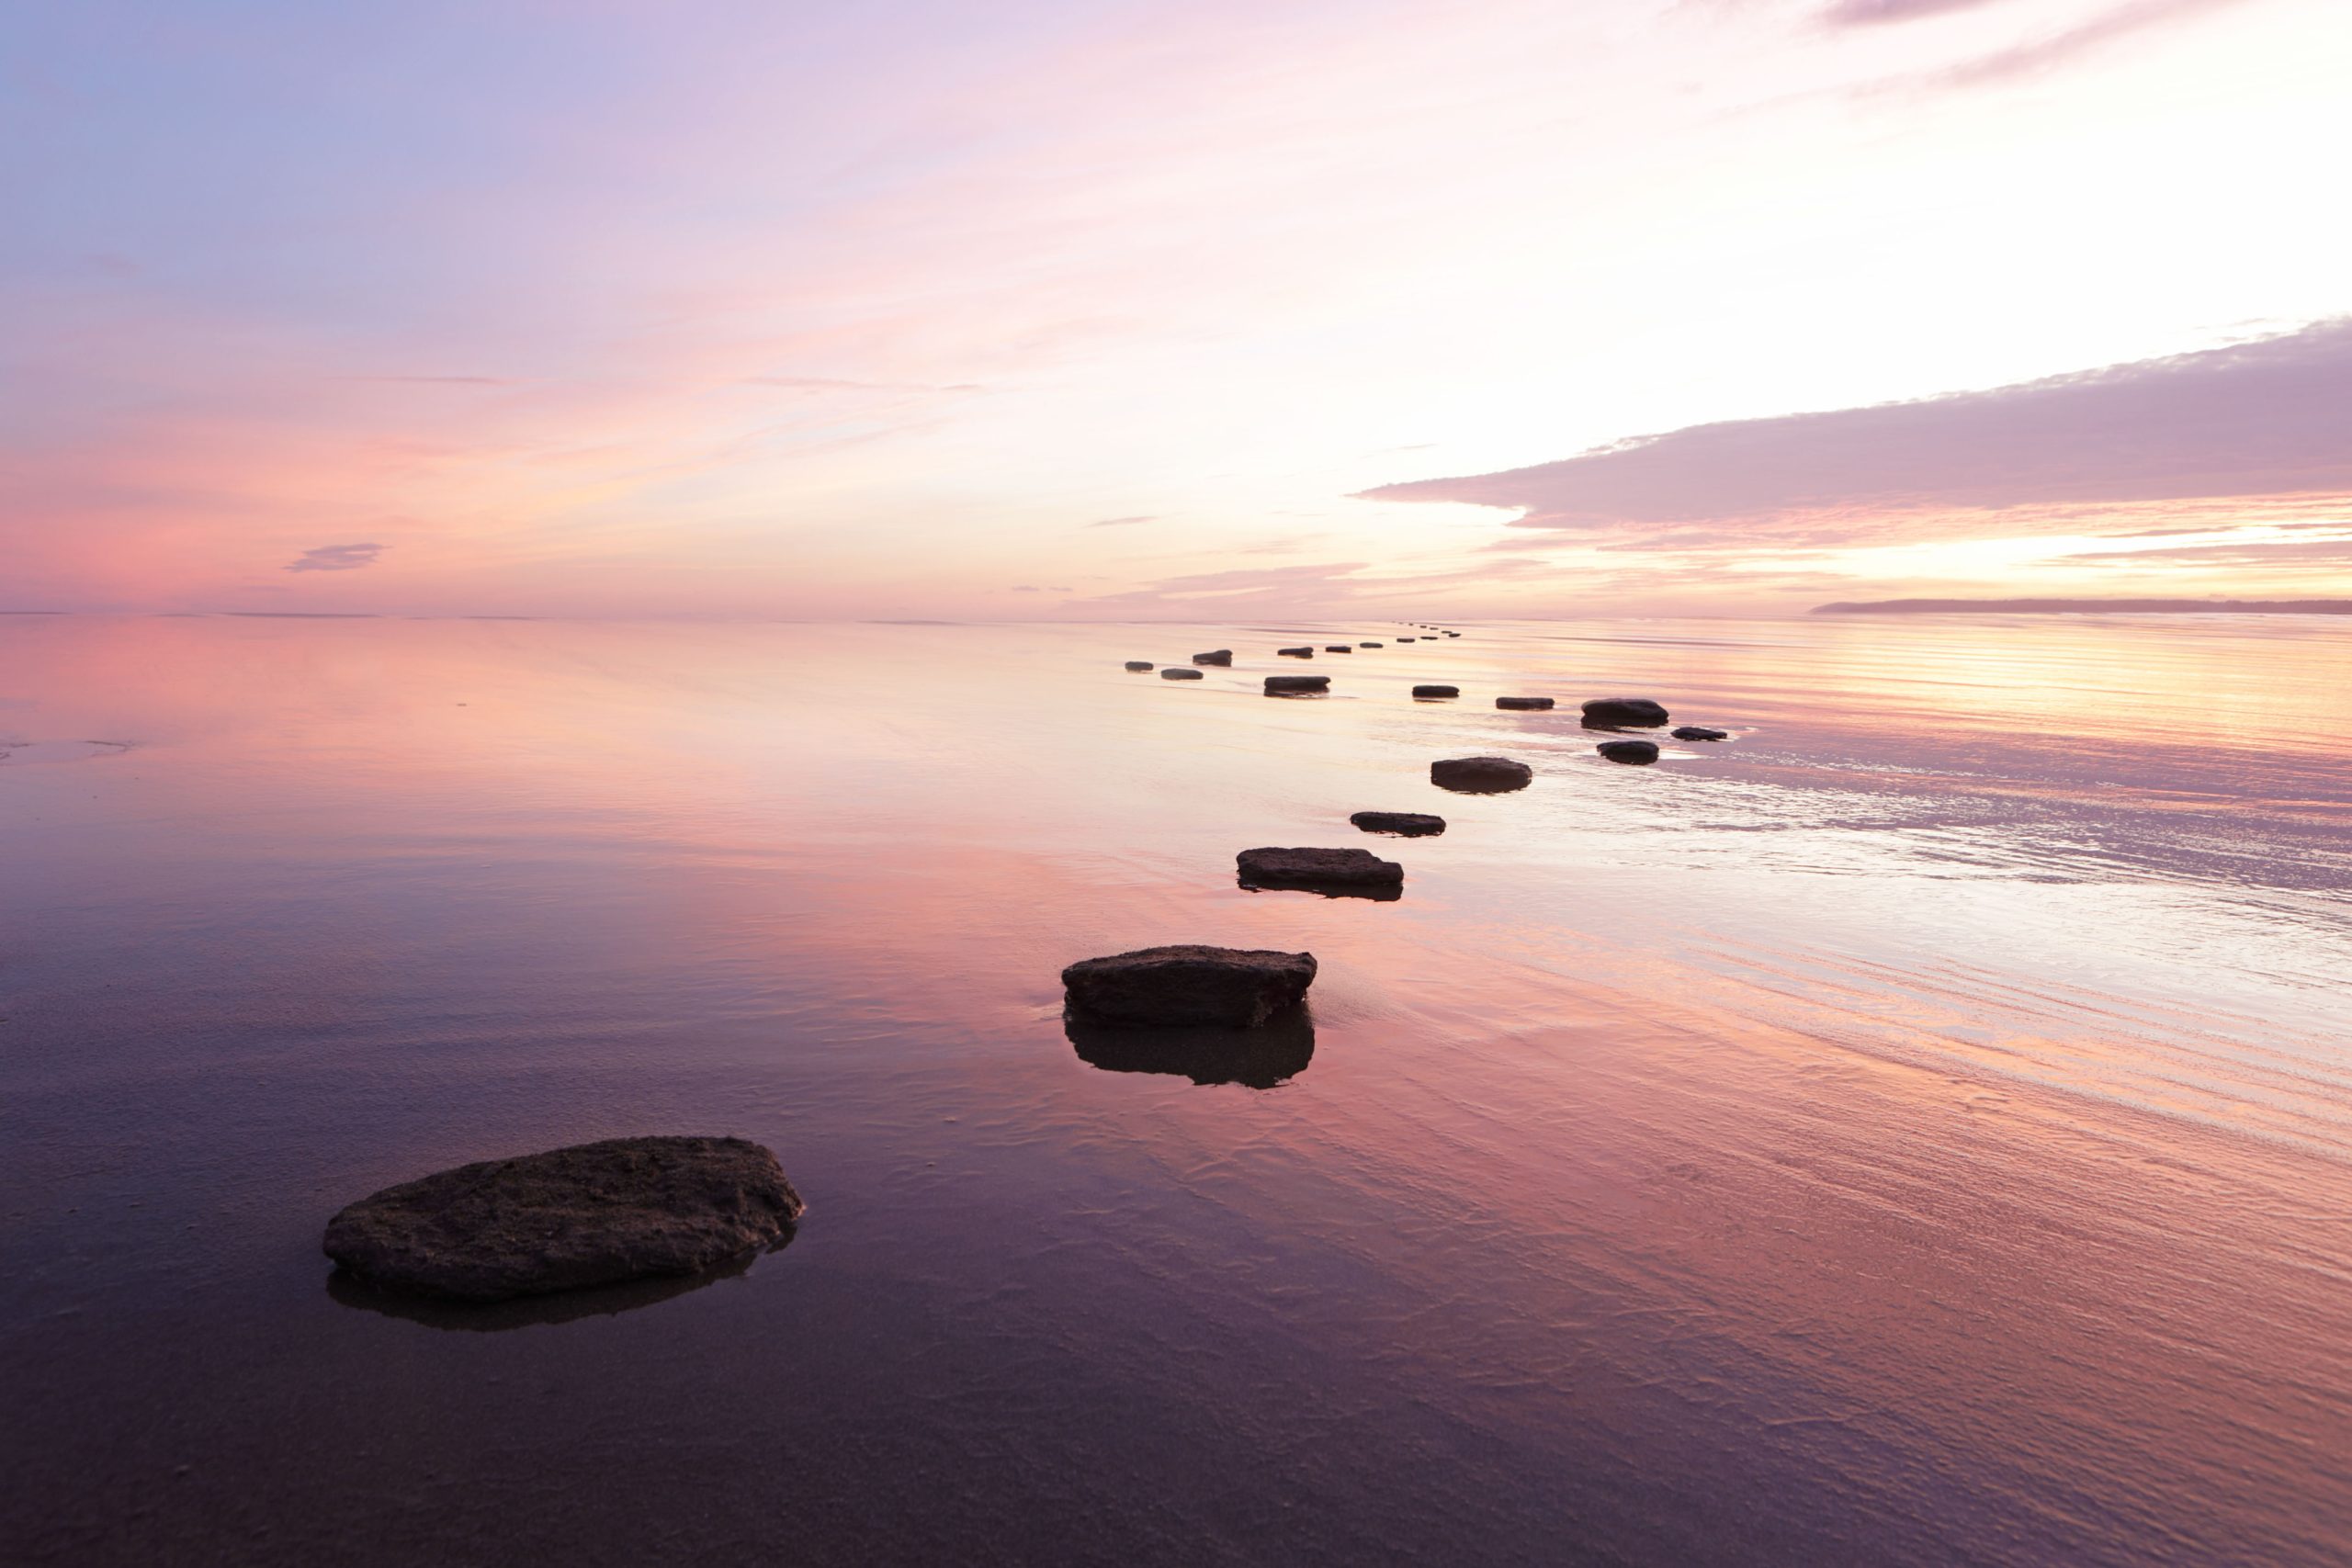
[1918,1130]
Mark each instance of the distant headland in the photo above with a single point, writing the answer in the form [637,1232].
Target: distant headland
[2091,607]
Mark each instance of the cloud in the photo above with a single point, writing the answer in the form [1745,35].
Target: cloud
[1122,521]
[1864,13]
[2266,419]
[2052,50]
[336,557]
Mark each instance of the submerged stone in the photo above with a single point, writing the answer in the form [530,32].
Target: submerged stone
[587,1215]
[1480,775]
[1153,986]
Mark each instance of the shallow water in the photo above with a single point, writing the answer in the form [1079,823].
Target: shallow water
[1917,1130]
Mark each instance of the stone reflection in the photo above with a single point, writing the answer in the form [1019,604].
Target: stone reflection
[1263,1057]
[530,1312]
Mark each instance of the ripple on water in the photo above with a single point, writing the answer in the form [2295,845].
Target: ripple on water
[28,751]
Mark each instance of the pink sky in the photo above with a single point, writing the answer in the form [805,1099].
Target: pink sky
[1141,310]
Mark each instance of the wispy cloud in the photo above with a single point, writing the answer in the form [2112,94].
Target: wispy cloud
[1866,13]
[2266,419]
[336,557]
[2046,53]
[1121,522]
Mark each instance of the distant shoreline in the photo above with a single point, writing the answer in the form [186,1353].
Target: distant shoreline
[2088,608]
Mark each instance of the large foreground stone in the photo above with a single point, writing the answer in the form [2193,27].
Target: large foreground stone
[1317,868]
[1635,711]
[1291,686]
[588,1215]
[1480,775]
[1166,987]
[1412,824]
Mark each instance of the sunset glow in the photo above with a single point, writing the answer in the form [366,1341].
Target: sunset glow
[1101,312]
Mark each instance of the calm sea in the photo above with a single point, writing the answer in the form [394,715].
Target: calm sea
[1916,1130]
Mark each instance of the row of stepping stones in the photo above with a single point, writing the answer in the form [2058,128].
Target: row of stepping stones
[1194,986]
[626,1208]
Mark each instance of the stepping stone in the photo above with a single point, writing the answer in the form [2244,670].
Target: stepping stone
[1296,685]
[1229,988]
[1437,691]
[1528,704]
[1295,652]
[1336,647]
[1318,869]
[1480,775]
[1177,673]
[1411,824]
[1629,750]
[1368,645]
[1220,656]
[1639,712]
[1138,664]
[1700,732]
[588,1215]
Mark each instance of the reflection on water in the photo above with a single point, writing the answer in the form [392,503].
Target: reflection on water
[529,1312]
[1264,1057]
[1921,1133]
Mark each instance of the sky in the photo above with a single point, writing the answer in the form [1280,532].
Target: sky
[1133,310]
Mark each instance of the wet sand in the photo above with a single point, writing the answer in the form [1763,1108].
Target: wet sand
[1917,1130]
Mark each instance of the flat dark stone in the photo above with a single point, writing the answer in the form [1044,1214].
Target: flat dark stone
[1336,647]
[1629,750]
[1138,664]
[1370,645]
[1295,652]
[1177,673]
[1171,987]
[1700,732]
[1412,824]
[1531,704]
[1215,656]
[1480,775]
[1409,639]
[1283,685]
[589,1214]
[1318,869]
[1639,712]
[1437,691]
